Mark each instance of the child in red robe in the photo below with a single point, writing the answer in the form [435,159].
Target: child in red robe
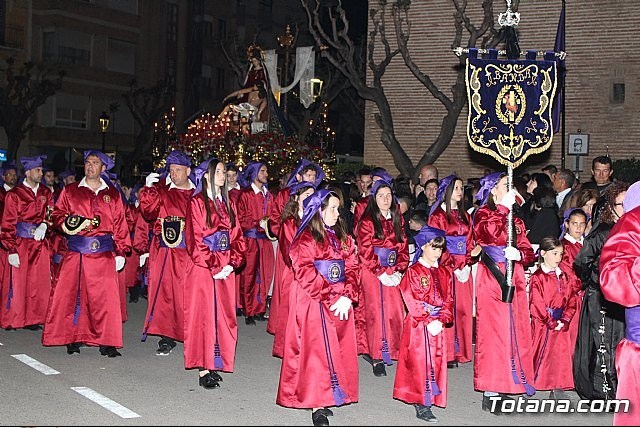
[421,378]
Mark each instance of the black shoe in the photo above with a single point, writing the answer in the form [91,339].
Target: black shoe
[208,381]
[33,327]
[239,312]
[109,351]
[452,364]
[379,370]
[164,349]
[320,417]
[425,413]
[261,317]
[73,348]
[214,374]
[250,321]
[496,404]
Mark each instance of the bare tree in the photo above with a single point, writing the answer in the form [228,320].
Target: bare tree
[333,32]
[23,91]
[146,104]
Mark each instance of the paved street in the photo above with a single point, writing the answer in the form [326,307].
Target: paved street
[158,391]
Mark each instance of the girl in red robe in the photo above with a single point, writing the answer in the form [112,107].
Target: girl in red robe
[216,246]
[553,305]
[421,378]
[575,225]
[449,215]
[384,255]
[290,220]
[503,362]
[320,361]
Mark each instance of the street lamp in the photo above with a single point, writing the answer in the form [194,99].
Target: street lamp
[104,125]
[316,87]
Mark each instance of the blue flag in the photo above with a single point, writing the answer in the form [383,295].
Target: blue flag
[559,46]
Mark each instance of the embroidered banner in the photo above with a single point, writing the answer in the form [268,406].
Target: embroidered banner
[510,106]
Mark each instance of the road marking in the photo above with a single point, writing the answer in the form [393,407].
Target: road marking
[35,364]
[105,402]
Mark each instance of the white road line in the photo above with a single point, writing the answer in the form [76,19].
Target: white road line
[105,402]
[35,364]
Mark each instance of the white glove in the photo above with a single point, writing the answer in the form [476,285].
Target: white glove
[509,199]
[463,274]
[119,263]
[14,260]
[143,259]
[434,327]
[224,273]
[341,308]
[151,179]
[387,280]
[396,277]
[512,253]
[264,224]
[559,326]
[38,235]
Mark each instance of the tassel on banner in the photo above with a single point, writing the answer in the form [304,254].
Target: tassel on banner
[338,393]
[217,358]
[386,356]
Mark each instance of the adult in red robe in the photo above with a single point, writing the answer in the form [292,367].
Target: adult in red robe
[620,283]
[27,279]
[320,362]
[84,306]
[57,238]
[384,256]
[9,178]
[448,214]
[254,206]
[165,204]
[553,306]
[421,377]
[216,246]
[279,313]
[503,330]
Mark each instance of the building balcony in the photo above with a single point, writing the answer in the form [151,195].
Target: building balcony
[12,37]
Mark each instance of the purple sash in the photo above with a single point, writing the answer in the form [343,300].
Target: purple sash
[632,327]
[386,257]
[555,313]
[331,270]
[457,245]
[218,241]
[496,252]
[25,230]
[90,244]
[253,233]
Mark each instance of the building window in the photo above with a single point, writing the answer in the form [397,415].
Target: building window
[64,46]
[617,95]
[70,111]
[121,56]
[220,82]
[222,29]
[172,22]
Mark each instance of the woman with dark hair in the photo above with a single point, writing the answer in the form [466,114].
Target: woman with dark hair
[216,246]
[503,362]
[527,211]
[290,220]
[544,215]
[601,322]
[384,255]
[320,360]
[448,214]
[586,199]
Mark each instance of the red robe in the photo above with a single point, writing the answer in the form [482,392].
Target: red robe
[100,319]
[234,195]
[620,283]
[4,294]
[492,362]
[361,205]
[462,329]
[30,284]
[210,307]
[257,274]
[552,350]
[378,297]
[167,266]
[279,313]
[141,245]
[419,285]
[571,250]
[275,221]
[305,377]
